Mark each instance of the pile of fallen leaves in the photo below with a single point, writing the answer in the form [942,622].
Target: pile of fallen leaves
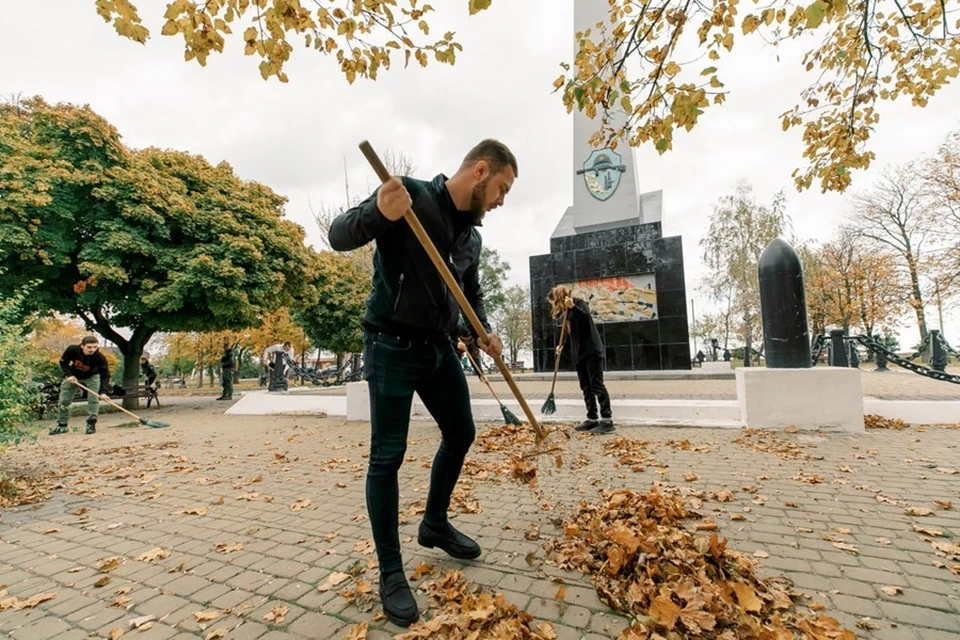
[871,421]
[768,442]
[510,438]
[506,438]
[24,489]
[465,610]
[629,452]
[645,564]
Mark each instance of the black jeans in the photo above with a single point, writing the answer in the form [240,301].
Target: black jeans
[395,368]
[590,375]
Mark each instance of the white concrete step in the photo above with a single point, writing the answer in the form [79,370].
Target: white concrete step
[694,413]
[631,411]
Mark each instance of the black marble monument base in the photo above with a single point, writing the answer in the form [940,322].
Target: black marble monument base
[655,344]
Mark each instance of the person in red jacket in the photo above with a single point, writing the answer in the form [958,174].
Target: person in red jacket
[85,364]
[586,351]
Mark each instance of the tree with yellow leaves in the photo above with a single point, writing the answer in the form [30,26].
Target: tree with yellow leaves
[636,62]
[853,284]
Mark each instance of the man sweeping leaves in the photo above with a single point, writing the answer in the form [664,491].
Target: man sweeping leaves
[410,317]
[85,364]
[586,350]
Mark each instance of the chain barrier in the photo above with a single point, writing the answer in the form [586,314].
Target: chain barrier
[332,378]
[948,348]
[923,347]
[900,361]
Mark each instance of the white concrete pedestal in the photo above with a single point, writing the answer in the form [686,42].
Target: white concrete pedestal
[829,398]
[715,367]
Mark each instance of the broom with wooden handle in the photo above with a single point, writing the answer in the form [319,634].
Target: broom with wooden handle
[154,424]
[451,283]
[550,404]
[508,415]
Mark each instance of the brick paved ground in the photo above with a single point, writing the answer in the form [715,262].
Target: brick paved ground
[128,489]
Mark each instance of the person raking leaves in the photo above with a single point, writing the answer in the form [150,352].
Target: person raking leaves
[410,317]
[586,351]
[83,363]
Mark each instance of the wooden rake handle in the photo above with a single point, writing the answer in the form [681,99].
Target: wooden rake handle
[483,378]
[556,364]
[111,402]
[451,282]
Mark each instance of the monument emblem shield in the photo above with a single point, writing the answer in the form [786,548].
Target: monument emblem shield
[601,173]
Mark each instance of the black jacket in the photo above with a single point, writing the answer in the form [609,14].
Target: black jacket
[74,362]
[226,361]
[409,298]
[582,333]
[148,370]
[466,269]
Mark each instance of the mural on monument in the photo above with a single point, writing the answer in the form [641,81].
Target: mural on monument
[620,298]
[601,173]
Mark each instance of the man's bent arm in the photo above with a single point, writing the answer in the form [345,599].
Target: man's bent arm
[358,225]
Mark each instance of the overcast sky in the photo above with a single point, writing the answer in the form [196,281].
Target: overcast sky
[296,137]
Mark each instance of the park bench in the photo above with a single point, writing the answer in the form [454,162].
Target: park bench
[51,394]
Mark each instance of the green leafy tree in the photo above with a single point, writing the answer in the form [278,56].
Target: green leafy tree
[740,229]
[146,240]
[493,275]
[18,396]
[513,321]
[710,326]
[331,316]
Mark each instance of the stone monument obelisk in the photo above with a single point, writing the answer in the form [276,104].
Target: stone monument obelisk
[609,248]
[605,193]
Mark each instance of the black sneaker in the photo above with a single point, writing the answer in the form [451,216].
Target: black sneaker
[586,425]
[397,599]
[57,430]
[450,540]
[91,427]
[605,426]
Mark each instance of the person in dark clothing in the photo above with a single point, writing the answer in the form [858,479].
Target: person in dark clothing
[85,364]
[148,370]
[408,323]
[226,371]
[586,351]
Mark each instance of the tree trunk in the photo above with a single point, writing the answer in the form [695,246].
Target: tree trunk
[131,376]
[200,383]
[748,339]
[918,297]
[236,366]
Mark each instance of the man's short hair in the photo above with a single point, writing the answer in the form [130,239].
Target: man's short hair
[495,153]
[89,340]
[287,344]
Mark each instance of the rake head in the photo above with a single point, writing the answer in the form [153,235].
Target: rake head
[154,424]
[509,417]
[549,406]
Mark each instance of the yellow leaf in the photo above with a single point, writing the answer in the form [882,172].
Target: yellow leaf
[747,597]
[671,68]
[477,6]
